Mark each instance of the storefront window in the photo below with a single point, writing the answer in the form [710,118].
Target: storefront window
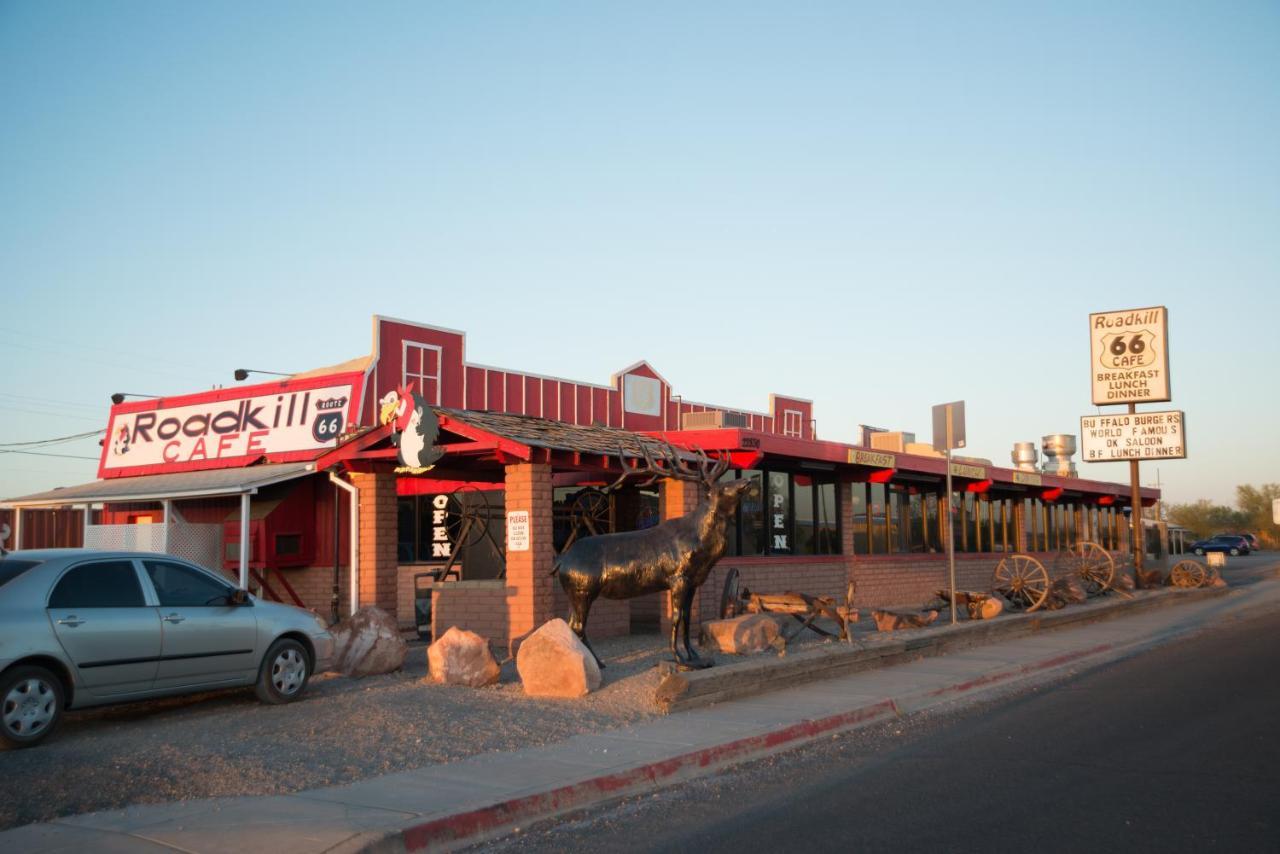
[879,510]
[969,539]
[804,514]
[827,518]
[430,531]
[935,537]
[751,516]
[861,520]
[918,534]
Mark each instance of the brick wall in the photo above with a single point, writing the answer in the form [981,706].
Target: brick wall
[314,586]
[477,606]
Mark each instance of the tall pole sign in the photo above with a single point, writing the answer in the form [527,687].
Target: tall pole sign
[948,433]
[1129,364]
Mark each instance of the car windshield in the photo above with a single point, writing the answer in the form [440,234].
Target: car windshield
[11,568]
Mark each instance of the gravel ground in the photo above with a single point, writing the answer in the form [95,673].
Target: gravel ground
[226,743]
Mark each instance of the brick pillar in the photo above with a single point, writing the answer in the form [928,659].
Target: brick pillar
[378,536]
[846,531]
[1020,525]
[530,585]
[678,498]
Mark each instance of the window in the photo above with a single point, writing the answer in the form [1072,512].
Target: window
[917,531]
[804,513]
[934,535]
[288,544]
[879,513]
[861,520]
[430,531]
[827,519]
[751,513]
[102,584]
[788,515]
[817,529]
[179,585]
[11,568]
[792,422]
[422,368]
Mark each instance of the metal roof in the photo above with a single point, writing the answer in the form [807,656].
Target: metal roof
[559,436]
[157,487]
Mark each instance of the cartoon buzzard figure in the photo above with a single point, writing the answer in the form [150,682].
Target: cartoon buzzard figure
[120,445]
[414,427]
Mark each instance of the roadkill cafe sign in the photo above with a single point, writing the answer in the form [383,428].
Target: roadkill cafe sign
[1130,356]
[1138,436]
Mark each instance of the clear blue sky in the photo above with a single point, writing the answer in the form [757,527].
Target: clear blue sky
[876,206]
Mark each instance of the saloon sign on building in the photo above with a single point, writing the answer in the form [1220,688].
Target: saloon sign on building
[1130,356]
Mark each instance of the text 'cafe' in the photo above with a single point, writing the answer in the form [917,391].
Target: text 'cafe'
[423,483]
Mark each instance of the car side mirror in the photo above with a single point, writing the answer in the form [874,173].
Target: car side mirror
[238,597]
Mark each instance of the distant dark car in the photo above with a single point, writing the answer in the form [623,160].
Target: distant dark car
[1254,545]
[1229,543]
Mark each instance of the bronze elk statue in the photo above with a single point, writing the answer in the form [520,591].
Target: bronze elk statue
[675,555]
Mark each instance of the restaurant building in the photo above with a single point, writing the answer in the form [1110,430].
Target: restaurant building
[299,489]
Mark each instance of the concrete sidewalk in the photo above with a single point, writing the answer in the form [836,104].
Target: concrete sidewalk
[444,806]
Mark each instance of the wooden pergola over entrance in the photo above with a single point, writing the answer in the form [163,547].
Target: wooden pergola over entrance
[525,457]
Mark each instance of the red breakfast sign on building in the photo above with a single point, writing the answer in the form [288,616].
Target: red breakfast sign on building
[1130,356]
[284,421]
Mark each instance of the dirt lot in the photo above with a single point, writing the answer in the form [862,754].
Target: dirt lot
[227,743]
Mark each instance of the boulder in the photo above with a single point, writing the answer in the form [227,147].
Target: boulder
[552,662]
[367,643]
[745,635]
[1069,590]
[460,657]
[890,621]
[1123,581]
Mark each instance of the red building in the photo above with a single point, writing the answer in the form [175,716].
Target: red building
[289,484]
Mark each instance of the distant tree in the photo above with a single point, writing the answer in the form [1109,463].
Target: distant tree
[1255,511]
[1204,518]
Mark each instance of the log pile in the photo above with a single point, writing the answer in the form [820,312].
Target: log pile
[979,606]
[890,621]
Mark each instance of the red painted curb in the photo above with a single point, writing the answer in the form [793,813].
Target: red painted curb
[465,825]
[994,678]
[478,822]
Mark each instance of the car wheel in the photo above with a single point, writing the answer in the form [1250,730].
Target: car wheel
[1200,551]
[1235,552]
[285,670]
[31,700]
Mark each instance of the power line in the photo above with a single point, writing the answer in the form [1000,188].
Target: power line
[56,440]
[39,454]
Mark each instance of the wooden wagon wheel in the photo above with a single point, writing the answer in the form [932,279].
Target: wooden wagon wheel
[1094,566]
[1188,573]
[1022,580]
[467,517]
[590,514]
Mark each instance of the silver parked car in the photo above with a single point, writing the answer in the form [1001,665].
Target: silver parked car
[81,628]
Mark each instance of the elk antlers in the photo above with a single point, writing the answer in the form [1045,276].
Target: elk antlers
[707,473]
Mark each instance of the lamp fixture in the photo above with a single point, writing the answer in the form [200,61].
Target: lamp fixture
[119,396]
[243,373]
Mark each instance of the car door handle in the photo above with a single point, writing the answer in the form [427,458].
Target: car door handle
[173,618]
[71,620]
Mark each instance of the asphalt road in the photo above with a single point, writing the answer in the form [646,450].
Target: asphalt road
[1176,749]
